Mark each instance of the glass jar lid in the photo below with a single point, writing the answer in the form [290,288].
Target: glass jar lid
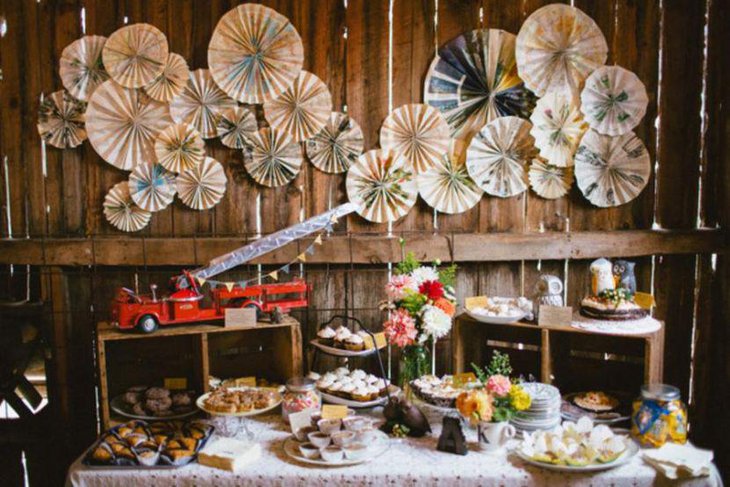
[659,392]
[300,384]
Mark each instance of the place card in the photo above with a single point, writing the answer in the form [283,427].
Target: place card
[380,341]
[240,317]
[246,381]
[555,315]
[463,379]
[475,302]
[645,300]
[330,411]
[301,419]
[176,383]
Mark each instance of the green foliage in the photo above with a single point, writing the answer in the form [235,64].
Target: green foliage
[447,275]
[503,411]
[408,264]
[499,365]
[413,302]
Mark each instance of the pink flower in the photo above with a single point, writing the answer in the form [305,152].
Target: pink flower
[398,286]
[499,385]
[400,329]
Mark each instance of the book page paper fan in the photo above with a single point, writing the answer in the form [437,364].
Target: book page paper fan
[473,80]
[337,146]
[151,186]
[135,55]
[203,186]
[61,120]
[273,158]
[179,147]
[302,110]
[447,187]
[611,171]
[417,132]
[120,210]
[550,181]
[235,126]
[498,155]
[122,124]
[382,186]
[200,103]
[557,48]
[81,67]
[557,125]
[255,53]
[171,81]
[614,100]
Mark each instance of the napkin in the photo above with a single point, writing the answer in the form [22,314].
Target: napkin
[679,461]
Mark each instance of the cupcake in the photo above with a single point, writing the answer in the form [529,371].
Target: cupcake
[373,391]
[361,394]
[371,379]
[348,390]
[358,383]
[314,376]
[382,386]
[335,388]
[358,374]
[354,343]
[326,336]
[341,335]
[341,372]
[324,383]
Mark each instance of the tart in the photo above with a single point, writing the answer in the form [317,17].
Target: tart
[596,401]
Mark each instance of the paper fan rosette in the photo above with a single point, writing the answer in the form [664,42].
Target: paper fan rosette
[302,110]
[447,187]
[81,66]
[272,158]
[61,120]
[498,155]
[611,171]
[337,146]
[235,126]
[135,55]
[151,186]
[473,80]
[200,103]
[613,100]
[557,125]
[120,210]
[171,81]
[179,147]
[557,48]
[202,187]
[255,53]
[417,132]
[550,181]
[122,124]
[382,186]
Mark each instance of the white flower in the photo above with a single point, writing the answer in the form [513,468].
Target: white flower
[423,274]
[436,323]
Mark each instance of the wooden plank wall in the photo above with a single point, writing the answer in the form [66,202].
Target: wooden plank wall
[373,55]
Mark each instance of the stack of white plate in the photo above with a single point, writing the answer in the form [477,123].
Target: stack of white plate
[544,412]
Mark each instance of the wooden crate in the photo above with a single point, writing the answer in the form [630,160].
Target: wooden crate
[567,357]
[269,351]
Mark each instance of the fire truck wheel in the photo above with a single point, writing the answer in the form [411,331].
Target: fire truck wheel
[147,324]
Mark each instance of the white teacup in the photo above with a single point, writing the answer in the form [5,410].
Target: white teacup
[494,436]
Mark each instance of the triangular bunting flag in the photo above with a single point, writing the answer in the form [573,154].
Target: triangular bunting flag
[328,227]
[318,240]
[302,257]
[243,284]
[333,219]
[310,250]
[274,275]
[229,285]
[285,269]
[201,281]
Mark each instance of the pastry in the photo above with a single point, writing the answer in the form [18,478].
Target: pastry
[157,406]
[342,334]
[156,393]
[356,385]
[181,399]
[132,398]
[612,305]
[326,336]
[437,391]
[177,455]
[188,443]
[102,453]
[314,376]
[355,343]
[596,401]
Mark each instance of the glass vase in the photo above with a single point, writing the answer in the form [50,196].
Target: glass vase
[415,362]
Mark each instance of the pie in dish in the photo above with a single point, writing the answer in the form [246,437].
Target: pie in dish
[596,401]
[224,400]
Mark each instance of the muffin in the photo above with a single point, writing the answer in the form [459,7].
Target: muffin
[354,343]
[361,394]
[358,374]
[348,390]
[342,334]
[341,372]
[326,336]
[335,388]
[314,376]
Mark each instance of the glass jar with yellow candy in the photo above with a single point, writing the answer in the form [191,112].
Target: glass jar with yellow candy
[659,416]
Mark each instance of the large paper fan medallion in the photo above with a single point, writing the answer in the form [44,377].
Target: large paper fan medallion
[255,53]
[201,103]
[550,181]
[557,125]
[473,80]
[235,126]
[611,171]
[179,147]
[81,66]
[337,146]
[171,81]
[447,187]
[202,186]
[135,55]
[614,100]
[122,124]
[151,186]
[122,212]
[273,158]
[557,48]
[382,186]
[302,110]
[61,120]
[417,132]
[498,155]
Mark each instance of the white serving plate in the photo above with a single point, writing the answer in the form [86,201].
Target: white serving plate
[496,320]
[200,402]
[625,457]
[340,352]
[381,401]
[122,408]
[375,449]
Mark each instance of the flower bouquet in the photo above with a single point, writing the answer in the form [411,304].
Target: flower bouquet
[421,304]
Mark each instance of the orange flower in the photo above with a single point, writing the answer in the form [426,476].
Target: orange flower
[475,405]
[446,306]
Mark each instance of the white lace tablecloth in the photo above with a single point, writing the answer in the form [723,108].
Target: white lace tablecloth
[641,326]
[408,462]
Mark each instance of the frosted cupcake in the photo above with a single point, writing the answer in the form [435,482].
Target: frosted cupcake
[361,394]
[354,343]
[382,386]
[358,374]
[335,388]
[348,390]
[341,372]
[373,391]
[326,336]
[314,376]
[341,334]
[371,379]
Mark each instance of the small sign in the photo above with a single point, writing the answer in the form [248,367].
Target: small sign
[463,379]
[176,383]
[645,300]
[330,411]
[246,381]
[301,419]
[379,341]
[555,315]
[240,317]
[475,302]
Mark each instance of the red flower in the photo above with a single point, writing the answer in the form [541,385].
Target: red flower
[433,290]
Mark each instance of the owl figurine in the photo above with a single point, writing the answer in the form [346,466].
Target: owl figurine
[623,270]
[548,291]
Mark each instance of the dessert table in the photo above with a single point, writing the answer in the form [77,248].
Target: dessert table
[406,462]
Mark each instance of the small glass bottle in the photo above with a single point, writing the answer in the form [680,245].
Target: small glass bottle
[301,393]
[659,416]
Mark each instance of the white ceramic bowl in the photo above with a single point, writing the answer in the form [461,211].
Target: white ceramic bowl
[309,450]
[331,453]
[320,440]
[343,438]
[329,426]
[355,451]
